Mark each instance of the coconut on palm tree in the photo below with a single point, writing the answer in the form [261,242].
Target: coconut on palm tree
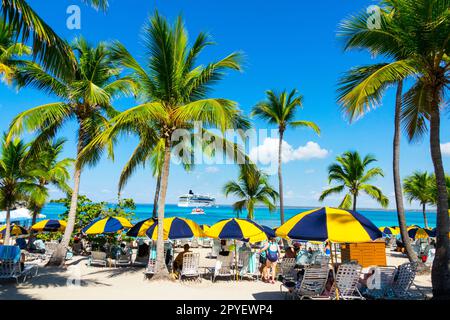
[280,110]
[174,92]
[251,188]
[53,52]
[48,170]
[353,175]
[86,99]
[10,52]
[424,58]
[16,179]
[419,187]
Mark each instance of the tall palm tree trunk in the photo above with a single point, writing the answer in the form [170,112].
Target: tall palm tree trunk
[161,270]
[397,180]
[425,220]
[440,274]
[58,257]
[8,226]
[280,176]
[156,198]
[355,198]
[34,216]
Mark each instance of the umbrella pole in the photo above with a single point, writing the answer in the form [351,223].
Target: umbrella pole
[333,268]
[235,260]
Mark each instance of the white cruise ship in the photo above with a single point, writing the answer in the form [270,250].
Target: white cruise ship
[192,200]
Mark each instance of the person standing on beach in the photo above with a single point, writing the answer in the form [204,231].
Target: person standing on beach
[273,253]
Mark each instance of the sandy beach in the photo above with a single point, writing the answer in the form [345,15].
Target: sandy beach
[129,283]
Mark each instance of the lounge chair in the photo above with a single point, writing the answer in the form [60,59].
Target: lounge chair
[345,286]
[207,243]
[223,267]
[322,260]
[190,266]
[123,260]
[381,279]
[98,258]
[215,249]
[286,269]
[312,284]
[403,281]
[248,262]
[10,267]
[194,243]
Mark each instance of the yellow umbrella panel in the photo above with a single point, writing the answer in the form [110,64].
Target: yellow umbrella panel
[176,228]
[237,229]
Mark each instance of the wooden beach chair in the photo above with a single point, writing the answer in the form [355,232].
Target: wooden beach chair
[190,268]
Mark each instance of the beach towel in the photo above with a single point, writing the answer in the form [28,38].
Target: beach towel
[10,253]
[252,263]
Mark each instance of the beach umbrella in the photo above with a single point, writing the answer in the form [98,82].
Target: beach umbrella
[205,227]
[140,228]
[176,228]
[390,230]
[50,225]
[15,230]
[420,233]
[237,229]
[269,231]
[336,225]
[107,225]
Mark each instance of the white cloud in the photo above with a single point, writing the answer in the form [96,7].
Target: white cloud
[212,169]
[268,152]
[445,148]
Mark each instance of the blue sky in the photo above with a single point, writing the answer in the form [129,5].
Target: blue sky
[287,44]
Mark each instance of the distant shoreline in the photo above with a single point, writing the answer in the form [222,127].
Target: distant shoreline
[433,210]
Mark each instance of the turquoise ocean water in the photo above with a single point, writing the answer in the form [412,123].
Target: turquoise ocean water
[262,215]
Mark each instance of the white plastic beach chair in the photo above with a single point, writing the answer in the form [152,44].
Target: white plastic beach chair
[98,258]
[207,243]
[123,260]
[11,270]
[190,266]
[194,243]
[322,260]
[223,267]
[140,261]
[345,286]
[50,248]
[215,249]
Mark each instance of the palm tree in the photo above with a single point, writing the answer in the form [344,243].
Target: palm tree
[48,170]
[419,187]
[361,89]
[15,178]
[52,51]
[352,173]
[9,53]
[86,99]
[280,110]
[173,91]
[253,188]
[425,59]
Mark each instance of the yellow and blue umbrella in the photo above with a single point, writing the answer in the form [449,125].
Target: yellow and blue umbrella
[390,230]
[140,228]
[269,231]
[420,233]
[15,230]
[336,225]
[237,229]
[50,225]
[107,225]
[176,228]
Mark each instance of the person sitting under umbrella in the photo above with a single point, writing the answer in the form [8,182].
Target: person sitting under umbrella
[178,262]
